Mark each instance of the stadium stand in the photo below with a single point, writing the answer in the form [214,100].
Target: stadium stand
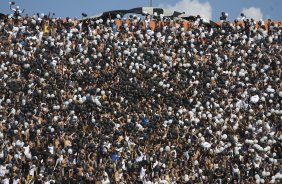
[151,100]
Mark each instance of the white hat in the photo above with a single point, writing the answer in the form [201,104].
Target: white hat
[55,118]
[206,145]
[70,151]
[224,136]
[167,149]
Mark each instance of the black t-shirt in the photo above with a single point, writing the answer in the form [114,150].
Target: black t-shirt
[219,173]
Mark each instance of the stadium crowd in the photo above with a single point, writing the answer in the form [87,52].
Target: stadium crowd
[85,102]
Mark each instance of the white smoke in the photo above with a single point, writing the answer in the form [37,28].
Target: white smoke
[191,7]
[253,12]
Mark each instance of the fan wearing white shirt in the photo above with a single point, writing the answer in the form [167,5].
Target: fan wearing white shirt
[105,179]
[5,181]
[147,181]
[163,180]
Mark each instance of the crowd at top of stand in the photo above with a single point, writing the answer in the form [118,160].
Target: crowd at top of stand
[103,102]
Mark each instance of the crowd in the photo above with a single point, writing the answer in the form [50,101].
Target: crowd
[86,102]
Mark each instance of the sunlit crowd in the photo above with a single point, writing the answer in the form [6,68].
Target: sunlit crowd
[85,101]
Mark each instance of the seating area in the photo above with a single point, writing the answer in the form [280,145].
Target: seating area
[150,100]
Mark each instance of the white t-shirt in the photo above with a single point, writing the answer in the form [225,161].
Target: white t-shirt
[163,182]
[3,171]
[147,182]
[26,150]
[6,181]
[16,181]
[142,173]
[48,182]
[51,149]
[32,170]
[147,23]
[105,181]
[1,154]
